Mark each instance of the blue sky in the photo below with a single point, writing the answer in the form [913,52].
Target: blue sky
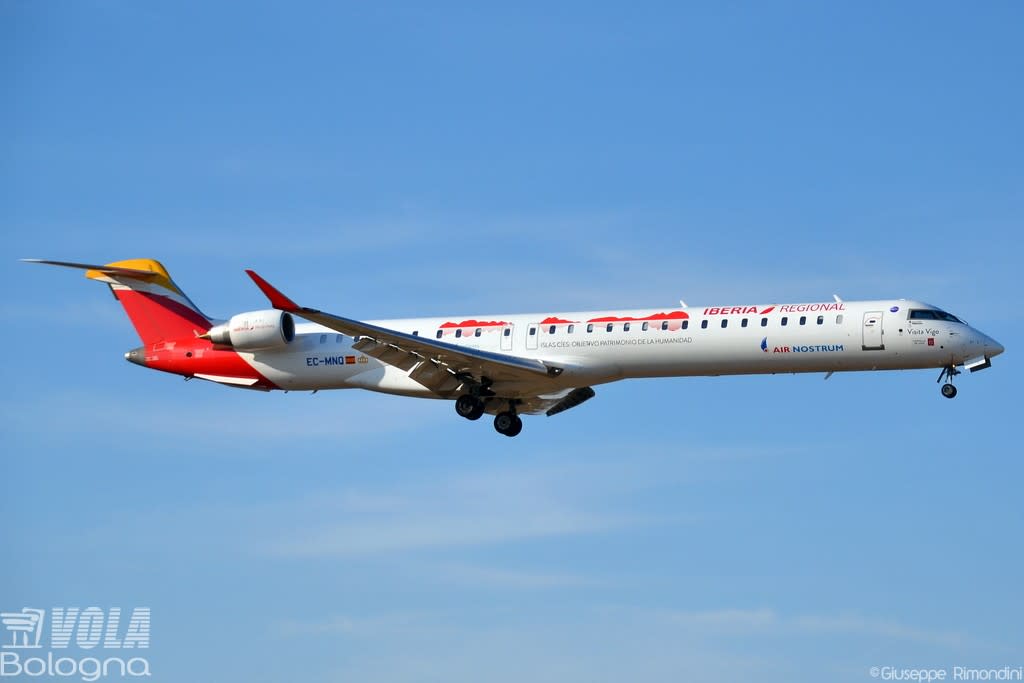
[384,161]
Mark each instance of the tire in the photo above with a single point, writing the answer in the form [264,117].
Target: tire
[504,423]
[517,427]
[948,390]
[469,407]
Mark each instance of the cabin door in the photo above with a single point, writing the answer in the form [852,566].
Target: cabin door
[873,331]
[532,332]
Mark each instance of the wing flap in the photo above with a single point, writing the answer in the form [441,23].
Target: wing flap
[388,353]
[435,376]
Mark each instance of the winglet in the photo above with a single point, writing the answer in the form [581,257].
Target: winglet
[277,299]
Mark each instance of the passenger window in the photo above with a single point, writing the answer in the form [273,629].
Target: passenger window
[533,331]
[507,332]
[323,338]
[644,327]
[803,320]
[785,321]
[703,324]
[458,333]
[337,338]
[476,333]
[743,323]
[590,327]
[764,322]
[725,323]
[551,330]
[625,327]
[821,319]
[570,329]
[686,325]
[839,319]
[439,333]
[610,326]
[664,324]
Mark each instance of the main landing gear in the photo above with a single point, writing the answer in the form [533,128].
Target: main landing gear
[506,422]
[949,372]
[469,407]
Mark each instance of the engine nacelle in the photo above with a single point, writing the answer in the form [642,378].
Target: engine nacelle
[255,330]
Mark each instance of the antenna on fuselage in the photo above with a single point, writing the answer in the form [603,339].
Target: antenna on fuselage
[682,304]
[836,297]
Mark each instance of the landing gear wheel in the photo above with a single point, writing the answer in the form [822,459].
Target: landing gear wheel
[469,407]
[508,424]
[948,373]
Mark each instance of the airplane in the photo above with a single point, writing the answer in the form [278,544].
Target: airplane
[526,364]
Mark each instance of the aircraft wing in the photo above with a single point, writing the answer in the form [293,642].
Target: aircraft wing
[439,366]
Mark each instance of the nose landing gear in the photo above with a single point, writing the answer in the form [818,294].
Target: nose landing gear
[949,372]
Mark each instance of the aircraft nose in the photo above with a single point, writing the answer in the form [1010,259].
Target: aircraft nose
[992,347]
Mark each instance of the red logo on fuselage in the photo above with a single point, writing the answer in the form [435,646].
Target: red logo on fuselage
[674,315]
[474,323]
[736,310]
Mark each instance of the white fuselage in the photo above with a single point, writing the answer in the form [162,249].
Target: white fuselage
[599,347]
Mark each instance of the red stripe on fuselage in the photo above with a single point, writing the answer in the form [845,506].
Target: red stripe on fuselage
[474,323]
[674,315]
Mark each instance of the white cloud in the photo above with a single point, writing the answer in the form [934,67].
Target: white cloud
[612,644]
[216,414]
[854,624]
[488,508]
[498,577]
[726,619]
[349,625]
[738,621]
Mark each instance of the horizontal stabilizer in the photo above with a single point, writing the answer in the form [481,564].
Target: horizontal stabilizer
[158,308]
[106,270]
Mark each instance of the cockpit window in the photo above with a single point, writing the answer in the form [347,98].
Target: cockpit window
[926,314]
